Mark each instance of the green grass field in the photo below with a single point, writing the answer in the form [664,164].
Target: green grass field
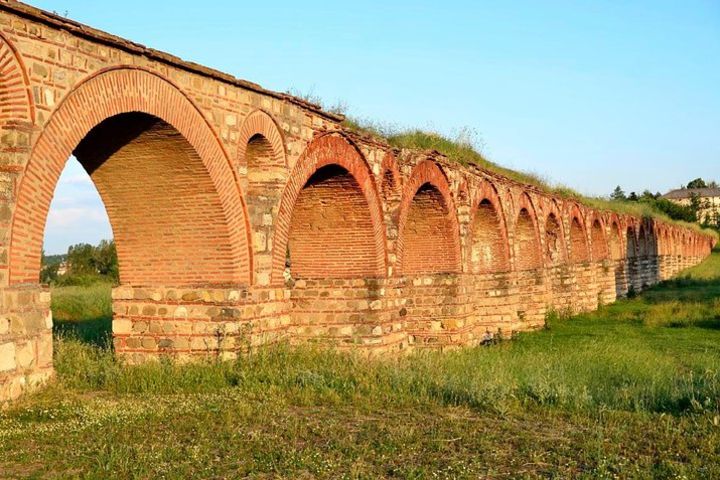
[630,391]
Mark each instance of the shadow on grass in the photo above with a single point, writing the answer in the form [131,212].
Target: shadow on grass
[94,331]
[683,289]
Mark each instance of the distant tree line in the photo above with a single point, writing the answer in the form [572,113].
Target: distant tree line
[687,213]
[83,264]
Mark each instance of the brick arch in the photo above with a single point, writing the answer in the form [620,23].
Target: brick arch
[16,102]
[631,242]
[652,238]
[526,238]
[555,247]
[680,242]
[489,248]
[346,161]
[672,242]
[261,149]
[599,240]
[666,242]
[643,242]
[110,95]
[660,236]
[615,242]
[579,248]
[427,224]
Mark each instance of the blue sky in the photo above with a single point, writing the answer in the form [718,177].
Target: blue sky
[587,94]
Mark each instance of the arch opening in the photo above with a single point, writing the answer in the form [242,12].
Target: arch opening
[527,245]
[554,242]
[331,230]
[488,252]
[168,219]
[615,244]
[642,244]
[631,243]
[579,252]
[263,165]
[427,237]
[599,244]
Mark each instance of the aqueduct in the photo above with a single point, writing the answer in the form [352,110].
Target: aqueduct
[244,217]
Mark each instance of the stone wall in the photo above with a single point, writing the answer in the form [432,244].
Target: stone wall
[245,217]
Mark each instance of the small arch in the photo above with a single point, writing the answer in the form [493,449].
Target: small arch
[526,240]
[261,152]
[428,239]
[642,242]
[631,242]
[615,241]
[323,203]
[554,241]
[600,250]
[579,251]
[489,245]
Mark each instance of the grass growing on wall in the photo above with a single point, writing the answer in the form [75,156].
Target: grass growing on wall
[629,391]
[462,150]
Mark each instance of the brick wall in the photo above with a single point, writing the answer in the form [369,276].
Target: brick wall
[245,217]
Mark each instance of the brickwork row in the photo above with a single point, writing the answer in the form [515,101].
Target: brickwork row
[245,217]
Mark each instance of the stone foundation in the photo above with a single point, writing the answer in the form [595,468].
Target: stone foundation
[26,350]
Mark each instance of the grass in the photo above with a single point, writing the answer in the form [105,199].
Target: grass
[629,391]
[83,312]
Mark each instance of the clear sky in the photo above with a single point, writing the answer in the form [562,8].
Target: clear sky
[587,94]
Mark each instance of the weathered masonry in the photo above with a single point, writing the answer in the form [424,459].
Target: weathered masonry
[244,217]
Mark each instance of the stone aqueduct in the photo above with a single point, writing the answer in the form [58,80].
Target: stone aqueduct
[213,186]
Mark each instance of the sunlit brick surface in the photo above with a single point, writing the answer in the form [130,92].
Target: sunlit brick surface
[245,217]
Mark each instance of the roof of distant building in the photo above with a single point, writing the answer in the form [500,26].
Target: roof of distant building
[689,192]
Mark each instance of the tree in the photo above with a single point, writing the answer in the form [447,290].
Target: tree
[697,183]
[80,260]
[647,195]
[673,210]
[87,264]
[105,260]
[618,194]
[633,197]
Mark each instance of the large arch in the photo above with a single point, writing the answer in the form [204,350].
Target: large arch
[489,246]
[177,211]
[330,217]
[428,232]
[526,239]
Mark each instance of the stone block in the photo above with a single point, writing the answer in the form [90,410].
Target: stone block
[122,326]
[7,357]
[25,354]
